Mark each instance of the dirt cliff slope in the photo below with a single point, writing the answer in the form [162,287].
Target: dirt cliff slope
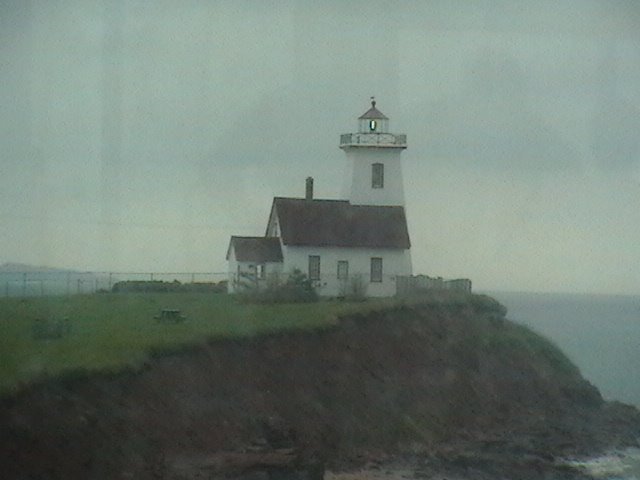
[426,379]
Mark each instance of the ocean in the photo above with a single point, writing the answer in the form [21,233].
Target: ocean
[601,335]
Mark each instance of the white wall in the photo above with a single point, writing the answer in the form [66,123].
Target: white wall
[394,262]
[357,187]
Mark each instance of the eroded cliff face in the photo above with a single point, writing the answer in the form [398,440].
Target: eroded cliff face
[421,379]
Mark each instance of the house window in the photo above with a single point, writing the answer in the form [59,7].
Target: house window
[376,269]
[261,272]
[377,175]
[343,269]
[314,267]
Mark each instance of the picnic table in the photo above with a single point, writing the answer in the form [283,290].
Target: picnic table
[50,328]
[170,315]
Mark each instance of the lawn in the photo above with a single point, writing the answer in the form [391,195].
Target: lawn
[115,331]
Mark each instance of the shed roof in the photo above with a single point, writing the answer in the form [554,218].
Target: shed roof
[256,249]
[337,223]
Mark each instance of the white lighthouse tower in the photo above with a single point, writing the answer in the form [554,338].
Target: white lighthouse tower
[374,171]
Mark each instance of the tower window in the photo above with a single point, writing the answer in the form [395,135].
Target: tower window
[372,125]
[376,269]
[377,175]
[314,267]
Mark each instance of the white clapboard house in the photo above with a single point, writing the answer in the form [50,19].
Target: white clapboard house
[359,242]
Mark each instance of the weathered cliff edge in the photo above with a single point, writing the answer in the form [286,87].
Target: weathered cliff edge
[454,386]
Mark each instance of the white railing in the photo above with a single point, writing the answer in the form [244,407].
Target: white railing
[377,139]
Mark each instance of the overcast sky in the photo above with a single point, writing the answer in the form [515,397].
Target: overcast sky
[140,135]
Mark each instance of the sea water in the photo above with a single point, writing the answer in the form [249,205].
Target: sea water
[601,335]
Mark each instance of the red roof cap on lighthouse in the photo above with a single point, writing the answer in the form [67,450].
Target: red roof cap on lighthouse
[373,112]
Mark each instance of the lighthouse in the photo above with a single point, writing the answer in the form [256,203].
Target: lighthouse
[374,170]
[358,245]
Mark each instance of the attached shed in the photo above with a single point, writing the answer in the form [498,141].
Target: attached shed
[253,262]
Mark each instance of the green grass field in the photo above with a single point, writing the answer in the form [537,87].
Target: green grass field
[115,331]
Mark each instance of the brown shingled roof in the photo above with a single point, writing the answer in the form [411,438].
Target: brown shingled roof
[337,223]
[256,249]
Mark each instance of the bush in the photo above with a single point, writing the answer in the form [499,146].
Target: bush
[297,289]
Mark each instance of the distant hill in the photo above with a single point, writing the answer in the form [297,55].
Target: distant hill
[20,279]
[10,267]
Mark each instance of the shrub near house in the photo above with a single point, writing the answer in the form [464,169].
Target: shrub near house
[296,289]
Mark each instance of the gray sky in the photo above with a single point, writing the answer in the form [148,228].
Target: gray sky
[139,135]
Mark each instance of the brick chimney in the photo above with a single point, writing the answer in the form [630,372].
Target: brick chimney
[309,189]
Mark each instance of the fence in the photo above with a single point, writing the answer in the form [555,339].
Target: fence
[325,284]
[356,285]
[35,283]
[407,285]
[41,283]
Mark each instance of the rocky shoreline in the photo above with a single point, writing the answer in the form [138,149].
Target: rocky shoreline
[619,465]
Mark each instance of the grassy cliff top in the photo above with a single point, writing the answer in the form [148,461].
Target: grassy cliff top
[113,332]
